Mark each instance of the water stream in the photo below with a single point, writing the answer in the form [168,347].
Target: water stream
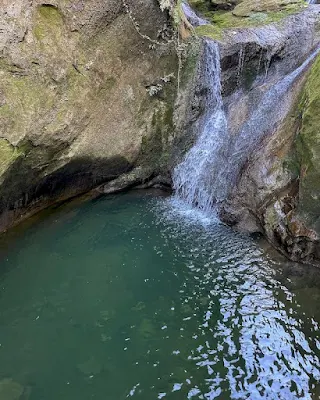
[196,179]
[191,16]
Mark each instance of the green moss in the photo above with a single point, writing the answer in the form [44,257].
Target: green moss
[48,23]
[154,147]
[189,66]
[309,138]
[246,7]
[26,94]
[8,153]
[177,14]
[211,31]
[50,13]
[26,100]
[221,20]
[202,6]
[308,143]
[292,164]
[5,111]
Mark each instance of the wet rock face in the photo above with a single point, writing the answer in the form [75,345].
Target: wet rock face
[74,106]
[307,146]
[269,51]
[248,7]
[276,192]
[278,188]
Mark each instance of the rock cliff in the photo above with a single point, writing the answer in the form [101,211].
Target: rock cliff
[86,94]
[276,191]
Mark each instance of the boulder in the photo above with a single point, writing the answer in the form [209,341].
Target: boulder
[248,7]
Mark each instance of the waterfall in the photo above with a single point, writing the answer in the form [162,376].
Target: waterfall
[191,16]
[211,167]
[194,180]
[270,111]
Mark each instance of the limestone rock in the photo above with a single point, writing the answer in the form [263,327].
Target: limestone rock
[277,189]
[307,146]
[247,7]
[74,106]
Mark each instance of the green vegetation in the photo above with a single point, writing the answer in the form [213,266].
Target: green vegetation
[154,146]
[8,154]
[49,22]
[248,13]
[211,31]
[177,13]
[308,143]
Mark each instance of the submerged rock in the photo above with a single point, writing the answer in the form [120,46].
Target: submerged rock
[90,367]
[146,329]
[10,390]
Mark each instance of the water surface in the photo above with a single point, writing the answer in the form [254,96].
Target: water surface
[132,296]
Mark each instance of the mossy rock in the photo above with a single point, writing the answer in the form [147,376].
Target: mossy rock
[308,145]
[8,154]
[74,109]
[211,31]
[245,14]
[49,22]
[210,5]
[247,7]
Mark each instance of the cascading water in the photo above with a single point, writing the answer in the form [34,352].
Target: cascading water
[210,169]
[191,16]
[271,110]
[195,178]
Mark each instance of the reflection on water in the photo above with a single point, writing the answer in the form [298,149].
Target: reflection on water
[133,296]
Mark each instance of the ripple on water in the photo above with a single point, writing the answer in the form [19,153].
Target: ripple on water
[251,327]
[139,297]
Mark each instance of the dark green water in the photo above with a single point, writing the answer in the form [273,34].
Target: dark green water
[130,297]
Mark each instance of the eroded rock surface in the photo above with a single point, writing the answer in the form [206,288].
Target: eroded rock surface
[276,190]
[76,100]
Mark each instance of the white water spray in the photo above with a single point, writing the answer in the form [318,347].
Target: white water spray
[211,168]
[191,16]
[195,178]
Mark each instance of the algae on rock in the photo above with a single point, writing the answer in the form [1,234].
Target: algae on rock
[308,149]
[225,15]
[74,109]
